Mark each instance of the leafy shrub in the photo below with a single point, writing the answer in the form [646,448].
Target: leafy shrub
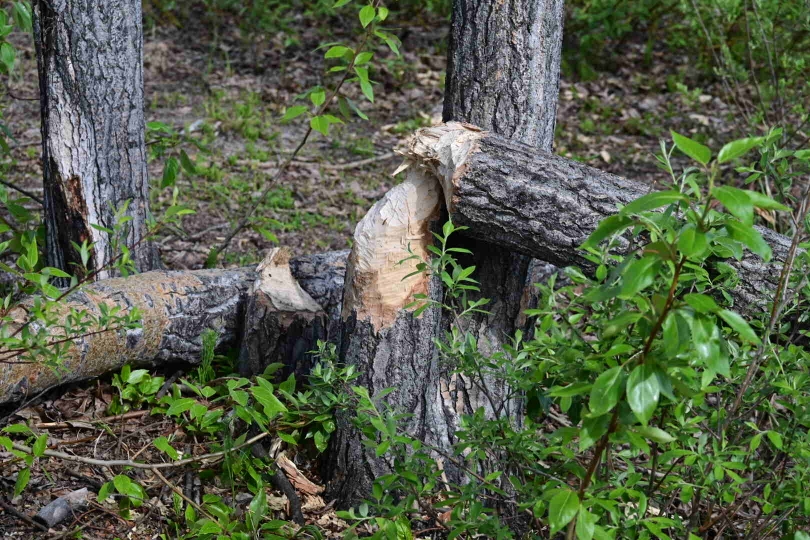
[655,410]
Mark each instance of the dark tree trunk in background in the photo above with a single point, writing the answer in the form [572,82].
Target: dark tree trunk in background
[503,74]
[90,57]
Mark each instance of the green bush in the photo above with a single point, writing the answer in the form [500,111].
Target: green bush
[655,410]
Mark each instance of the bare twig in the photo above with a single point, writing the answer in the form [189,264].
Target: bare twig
[25,192]
[16,513]
[137,465]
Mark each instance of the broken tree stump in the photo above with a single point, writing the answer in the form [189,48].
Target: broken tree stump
[389,346]
[282,322]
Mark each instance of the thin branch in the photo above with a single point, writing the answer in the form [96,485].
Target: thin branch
[27,193]
[137,465]
[286,165]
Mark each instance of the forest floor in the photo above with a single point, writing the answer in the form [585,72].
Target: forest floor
[229,94]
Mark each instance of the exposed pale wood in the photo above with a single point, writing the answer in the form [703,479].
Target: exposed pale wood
[389,346]
[376,284]
[301,483]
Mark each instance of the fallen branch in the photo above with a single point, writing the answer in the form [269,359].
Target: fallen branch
[176,308]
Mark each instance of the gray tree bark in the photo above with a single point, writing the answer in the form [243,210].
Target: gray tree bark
[176,308]
[546,206]
[503,76]
[90,58]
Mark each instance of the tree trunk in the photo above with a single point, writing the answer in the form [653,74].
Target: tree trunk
[90,58]
[545,205]
[503,74]
[390,347]
[176,308]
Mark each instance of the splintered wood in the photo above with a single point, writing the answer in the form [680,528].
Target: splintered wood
[376,285]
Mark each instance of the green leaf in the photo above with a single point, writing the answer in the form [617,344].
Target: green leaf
[692,242]
[336,52]
[340,3]
[170,171]
[701,303]
[737,148]
[318,97]
[766,203]
[739,325]
[562,509]
[264,395]
[691,148]
[22,480]
[7,55]
[606,391]
[105,491]
[320,124]
[749,236]
[136,376]
[180,406]
[655,434]
[586,523]
[639,275]
[643,391]
[606,228]
[22,15]
[736,201]
[162,443]
[187,163]
[38,449]
[653,200]
[367,15]
[294,112]
[775,438]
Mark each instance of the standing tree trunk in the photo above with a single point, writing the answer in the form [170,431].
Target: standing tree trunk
[90,57]
[503,75]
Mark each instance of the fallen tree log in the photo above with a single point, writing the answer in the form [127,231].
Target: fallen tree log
[176,308]
[545,205]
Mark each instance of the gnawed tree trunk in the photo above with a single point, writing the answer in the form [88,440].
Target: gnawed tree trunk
[90,57]
[390,347]
[545,205]
[282,322]
[176,308]
[503,74]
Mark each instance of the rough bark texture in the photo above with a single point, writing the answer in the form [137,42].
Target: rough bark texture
[90,57]
[503,76]
[545,205]
[176,307]
[390,347]
[282,322]
[503,67]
